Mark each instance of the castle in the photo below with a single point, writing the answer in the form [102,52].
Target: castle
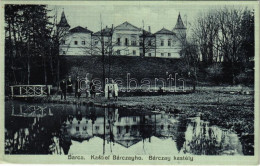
[122,40]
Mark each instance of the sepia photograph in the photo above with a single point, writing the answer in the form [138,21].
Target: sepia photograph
[161,82]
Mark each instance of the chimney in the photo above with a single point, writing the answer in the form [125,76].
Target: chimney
[86,27]
[149,29]
[106,26]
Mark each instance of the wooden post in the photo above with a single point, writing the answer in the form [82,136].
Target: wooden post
[21,108]
[34,90]
[49,89]
[12,109]
[20,90]
[41,91]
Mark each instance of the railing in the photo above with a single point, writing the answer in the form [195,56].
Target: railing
[31,111]
[30,90]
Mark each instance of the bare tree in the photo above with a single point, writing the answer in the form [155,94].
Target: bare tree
[205,32]
[230,37]
[147,42]
[191,59]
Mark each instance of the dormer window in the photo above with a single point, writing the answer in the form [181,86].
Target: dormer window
[162,43]
[149,43]
[126,41]
[62,42]
[118,41]
[83,42]
[133,43]
[75,42]
[169,42]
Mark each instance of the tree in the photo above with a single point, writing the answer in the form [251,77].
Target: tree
[102,44]
[205,32]
[225,36]
[191,58]
[230,40]
[29,30]
[147,42]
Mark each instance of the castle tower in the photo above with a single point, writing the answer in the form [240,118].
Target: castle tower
[63,26]
[180,29]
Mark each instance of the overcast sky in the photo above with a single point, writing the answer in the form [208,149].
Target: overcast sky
[155,15]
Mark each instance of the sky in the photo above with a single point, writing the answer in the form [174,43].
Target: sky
[153,14]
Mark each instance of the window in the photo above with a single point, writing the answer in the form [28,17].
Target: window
[162,43]
[106,43]
[134,119]
[85,128]
[118,129]
[126,52]
[149,43]
[126,41]
[162,126]
[107,127]
[162,54]
[62,41]
[77,128]
[133,43]
[97,127]
[169,42]
[96,42]
[76,42]
[63,52]
[127,129]
[118,52]
[134,52]
[169,54]
[118,41]
[83,42]
[150,54]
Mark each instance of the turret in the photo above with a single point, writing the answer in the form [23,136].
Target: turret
[63,26]
[180,28]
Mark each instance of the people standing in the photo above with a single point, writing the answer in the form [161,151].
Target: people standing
[87,84]
[115,90]
[69,85]
[77,88]
[92,88]
[63,89]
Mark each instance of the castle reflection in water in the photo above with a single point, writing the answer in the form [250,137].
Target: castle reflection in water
[77,129]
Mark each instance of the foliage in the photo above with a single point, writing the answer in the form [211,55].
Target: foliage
[224,35]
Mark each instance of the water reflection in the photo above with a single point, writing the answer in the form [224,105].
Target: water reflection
[77,129]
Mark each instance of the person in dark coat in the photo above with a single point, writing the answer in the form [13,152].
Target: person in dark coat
[77,88]
[69,85]
[63,89]
[92,88]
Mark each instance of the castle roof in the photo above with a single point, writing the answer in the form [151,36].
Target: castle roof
[147,34]
[106,32]
[63,21]
[179,24]
[127,26]
[165,31]
[80,29]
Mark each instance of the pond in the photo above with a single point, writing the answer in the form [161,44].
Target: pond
[79,129]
